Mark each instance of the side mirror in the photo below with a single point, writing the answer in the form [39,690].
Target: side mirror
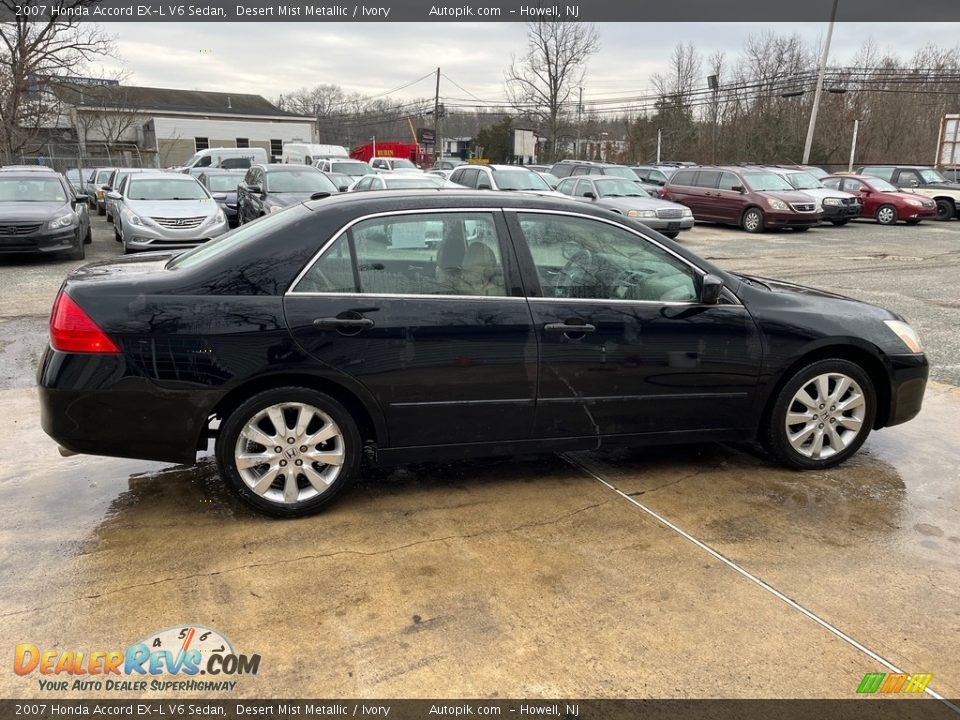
[913,182]
[254,189]
[114,195]
[483,186]
[590,194]
[81,200]
[738,188]
[710,290]
[220,197]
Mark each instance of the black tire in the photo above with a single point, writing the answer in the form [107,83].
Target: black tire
[773,432]
[79,252]
[234,423]
[946,210]
[672,234]
[109,216]
[88,238]
[752,220]
[101,210]
[840,223]
[913,222]
[116,235]
[886,215]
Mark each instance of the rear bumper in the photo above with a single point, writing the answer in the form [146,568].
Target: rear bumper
[908,381]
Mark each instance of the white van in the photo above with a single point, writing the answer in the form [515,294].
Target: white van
[225,159]
[306,153]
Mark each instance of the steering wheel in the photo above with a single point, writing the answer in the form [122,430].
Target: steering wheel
[573,273]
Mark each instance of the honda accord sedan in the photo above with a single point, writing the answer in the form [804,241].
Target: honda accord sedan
[309,339]
[40,213]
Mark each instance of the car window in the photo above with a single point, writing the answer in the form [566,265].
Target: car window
[469,177]
[728,181]
[852,185]
[906,177]
[708,178]
[884,173]
[684,177]
[584,187]
[832,183]
[418,254]
[565,186]
[581,258]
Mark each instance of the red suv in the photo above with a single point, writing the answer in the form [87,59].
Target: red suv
[883,201]
[754,198]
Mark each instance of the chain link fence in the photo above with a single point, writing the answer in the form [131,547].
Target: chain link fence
[64,156]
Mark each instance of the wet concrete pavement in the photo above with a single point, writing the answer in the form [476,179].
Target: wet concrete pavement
[523,576]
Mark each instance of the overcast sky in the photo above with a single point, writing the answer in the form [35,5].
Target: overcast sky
[274,58]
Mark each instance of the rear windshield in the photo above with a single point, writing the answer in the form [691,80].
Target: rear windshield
[165,189]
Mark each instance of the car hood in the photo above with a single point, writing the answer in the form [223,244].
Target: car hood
[807,299]
[172,208]
[26,212]
[940,186]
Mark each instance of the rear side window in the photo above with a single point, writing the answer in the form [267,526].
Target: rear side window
[684,177]
[886,173]
[708,178]
[422,254]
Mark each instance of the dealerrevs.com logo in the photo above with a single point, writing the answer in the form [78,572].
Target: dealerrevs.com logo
[186,652]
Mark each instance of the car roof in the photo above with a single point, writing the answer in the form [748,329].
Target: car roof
[27,168]
[284,166]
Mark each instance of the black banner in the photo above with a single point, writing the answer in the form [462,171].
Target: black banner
[919,708]
[646,11]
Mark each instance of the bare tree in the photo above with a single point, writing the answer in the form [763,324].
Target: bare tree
[543,79]
[35,56]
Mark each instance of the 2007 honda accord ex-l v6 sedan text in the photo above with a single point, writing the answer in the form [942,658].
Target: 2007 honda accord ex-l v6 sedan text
[437,324]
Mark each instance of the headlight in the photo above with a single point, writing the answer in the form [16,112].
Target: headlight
[642,213]
[914,203]
[832,201]
[134,219]
[62,221]
[686,212]
[219,217]
[777,204]
[906,333]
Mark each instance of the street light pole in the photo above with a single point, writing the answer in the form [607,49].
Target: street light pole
[816,97]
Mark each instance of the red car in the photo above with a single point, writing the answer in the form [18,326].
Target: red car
[882,201]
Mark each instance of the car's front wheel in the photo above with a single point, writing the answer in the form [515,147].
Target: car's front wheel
[887,215]
[821,416]
[289,451]
[752,220]
[945,209]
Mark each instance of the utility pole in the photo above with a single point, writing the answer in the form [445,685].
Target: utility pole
[579,121]
[437,144]
[816,96]
[659,142]
[853,145]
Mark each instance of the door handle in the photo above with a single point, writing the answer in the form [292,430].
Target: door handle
[344,323]
[569,328]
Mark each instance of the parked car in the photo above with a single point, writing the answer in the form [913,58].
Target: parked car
[113,183]
[500,177]
[625,198]
[653,175]
[271,187]
[818,172]
[951,174]
[837,206]
[551,180]
[101,185]
[754,198]
[924,181]
[447,163]
[341,180]
[393,164]
[222,186]
[344,166]
[401,181]
[566,168]
[223,159]
[300,340]
[40,213]
[162,210]
[82,179]
[884,202]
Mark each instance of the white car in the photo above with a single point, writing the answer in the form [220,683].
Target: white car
[159,211]
[393,164]
[401,181]
[502,177]
[837,206]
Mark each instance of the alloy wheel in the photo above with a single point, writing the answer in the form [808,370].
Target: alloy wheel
[886,215]
[825,416]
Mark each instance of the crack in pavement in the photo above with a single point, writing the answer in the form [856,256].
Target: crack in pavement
[301,558]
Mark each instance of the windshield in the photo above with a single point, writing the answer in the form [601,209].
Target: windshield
[427,181]
[401,163]
[623,172]
[165,189]
[30,190]
[353,169]
[881,185]
[618,188]
[223,183]
[763,181]
[520,180]
[302,181]
[804,181]
[932,176]
[233,239]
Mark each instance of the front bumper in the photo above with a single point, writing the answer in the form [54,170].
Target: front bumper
[908,381]
[151,237]
[919,213]
[787,219]
[667,225]
[42,241]
[841,212]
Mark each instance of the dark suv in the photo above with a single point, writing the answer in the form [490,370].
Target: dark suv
[754,198]
[923,181]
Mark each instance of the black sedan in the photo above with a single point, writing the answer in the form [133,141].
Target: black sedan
[530,324]
[40,213]
[271,187]
[222,185]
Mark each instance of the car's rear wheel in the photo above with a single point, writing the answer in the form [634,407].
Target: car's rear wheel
[945,209]
[752,220]
[886,215]
[289,451]
[821,416]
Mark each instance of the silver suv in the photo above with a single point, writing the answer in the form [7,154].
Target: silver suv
[157,211]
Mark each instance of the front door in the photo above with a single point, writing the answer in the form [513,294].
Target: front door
[625,345]
[425,312]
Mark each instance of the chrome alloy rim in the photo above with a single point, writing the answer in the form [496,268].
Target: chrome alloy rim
[752,221]
[825,416]
[289,452]
[885,215]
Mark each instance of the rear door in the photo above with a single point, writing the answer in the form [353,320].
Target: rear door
[706,196]
[625,345]
[437,331]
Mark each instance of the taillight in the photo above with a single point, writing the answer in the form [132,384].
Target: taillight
[72,330]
